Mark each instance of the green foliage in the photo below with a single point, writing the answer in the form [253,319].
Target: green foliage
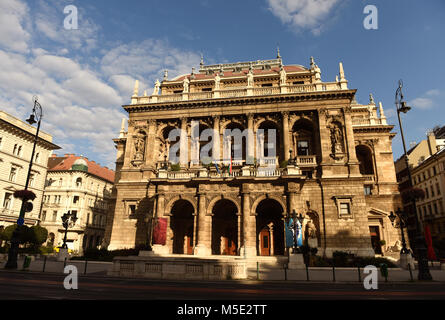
[46,249]
[345,259]
[175,167]
[25,233]
[38,235]
[382,242]
[283,164]
[251,161]
[106,255]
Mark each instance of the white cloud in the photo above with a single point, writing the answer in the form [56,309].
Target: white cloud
[303,14]
[425,101]
[81,103]
[147,60]
[13,35]
[422,103]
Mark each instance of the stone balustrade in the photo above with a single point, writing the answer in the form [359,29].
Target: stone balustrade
[235,93]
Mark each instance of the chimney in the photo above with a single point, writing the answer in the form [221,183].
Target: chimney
[432,143]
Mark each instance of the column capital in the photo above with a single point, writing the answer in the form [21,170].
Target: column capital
[285,113]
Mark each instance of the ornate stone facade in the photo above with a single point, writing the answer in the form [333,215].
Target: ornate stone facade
[333,163]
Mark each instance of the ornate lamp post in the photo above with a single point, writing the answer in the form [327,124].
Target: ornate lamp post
[68,221]
[420,248]
[402,224]
[36,114]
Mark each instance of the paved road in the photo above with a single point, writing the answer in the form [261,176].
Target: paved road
[31,285]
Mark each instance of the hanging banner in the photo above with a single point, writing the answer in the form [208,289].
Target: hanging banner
[160,231]
[289,233]
[429,243]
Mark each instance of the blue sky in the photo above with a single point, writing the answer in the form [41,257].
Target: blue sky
[83,76]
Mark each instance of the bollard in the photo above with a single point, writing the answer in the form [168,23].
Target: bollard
[359,275]
[258,270]
[285,271]
[307,273]
[410,272]
[333,273]
[44,264]
[86,263]
[64,263]
[384,271]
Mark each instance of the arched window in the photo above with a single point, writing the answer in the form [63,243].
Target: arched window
[79,182]
[364,156]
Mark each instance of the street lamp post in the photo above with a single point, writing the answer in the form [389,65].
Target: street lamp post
[13,250]
[68,220]
[424,272]
[402,224]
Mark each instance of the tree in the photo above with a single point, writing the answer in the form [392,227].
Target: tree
[38,235]
[25,234]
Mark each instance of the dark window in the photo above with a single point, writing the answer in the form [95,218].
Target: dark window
[303,148]
[367,190]
[132,209]
[298,82]
[177,91]
[266,85]
[206,89]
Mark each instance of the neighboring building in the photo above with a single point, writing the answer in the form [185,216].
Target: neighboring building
[344,179]
[427,164]
[16,143]
[79,185]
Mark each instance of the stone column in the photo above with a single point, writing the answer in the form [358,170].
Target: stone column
[183,158]
[248,247]
[202,247]
[150,156]
[250,137]
[286,134]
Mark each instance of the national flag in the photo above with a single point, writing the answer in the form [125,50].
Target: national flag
[217,168]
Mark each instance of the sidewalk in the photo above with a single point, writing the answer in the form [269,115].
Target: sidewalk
[266,272]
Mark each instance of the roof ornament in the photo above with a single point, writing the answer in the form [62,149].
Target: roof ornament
[136,88]
[342,72]
[371,99]
[202,61]
[312,63]
[192,75]
[221,71]
[156,88]
[278,53]
[382,114]
[185,84]
[165,75]
[122,132]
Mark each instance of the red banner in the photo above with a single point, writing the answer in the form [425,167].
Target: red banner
[160,231]
[429,243]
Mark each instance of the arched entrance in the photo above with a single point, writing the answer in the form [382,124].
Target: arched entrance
[225,228]
[181,224]
[270,228]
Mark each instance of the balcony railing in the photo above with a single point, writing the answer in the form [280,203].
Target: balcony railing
[236,92]
[261,172]
[307,161]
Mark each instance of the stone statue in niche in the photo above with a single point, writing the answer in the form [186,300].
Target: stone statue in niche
[311,230]
[336,139]
[139,147]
